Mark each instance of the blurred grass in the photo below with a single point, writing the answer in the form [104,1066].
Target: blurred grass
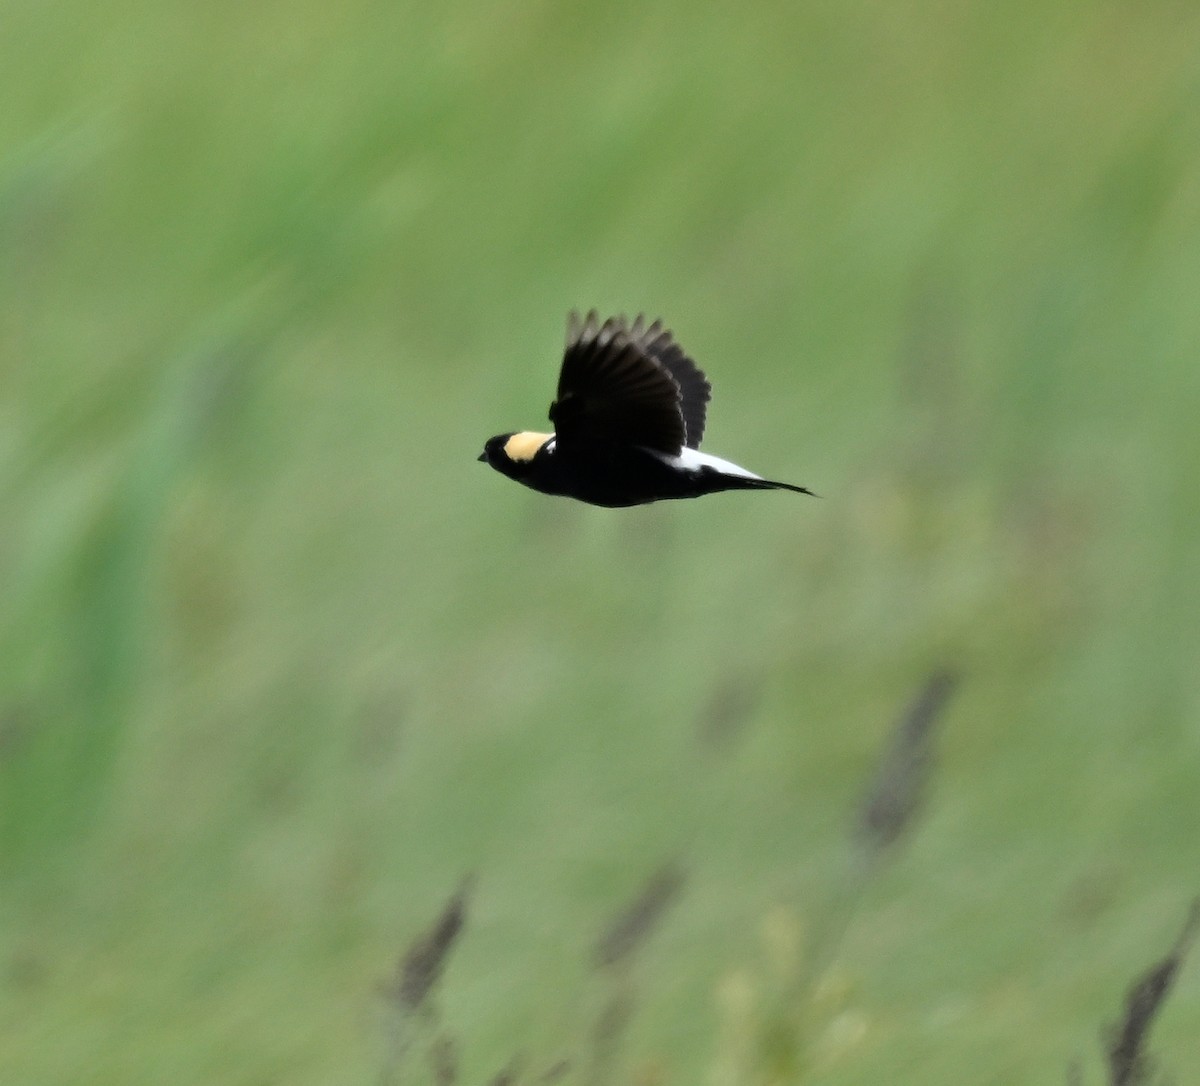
[282,663]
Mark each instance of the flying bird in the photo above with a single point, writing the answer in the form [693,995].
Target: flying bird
[628,420]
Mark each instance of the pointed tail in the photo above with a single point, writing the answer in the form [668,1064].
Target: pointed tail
[740,483]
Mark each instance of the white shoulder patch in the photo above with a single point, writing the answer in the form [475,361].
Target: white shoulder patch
[524,446]
[695,460]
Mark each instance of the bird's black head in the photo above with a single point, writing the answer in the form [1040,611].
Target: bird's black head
[493,449]
[513,454]
[497,453]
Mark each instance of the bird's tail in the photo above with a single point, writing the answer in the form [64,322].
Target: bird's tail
[738,482]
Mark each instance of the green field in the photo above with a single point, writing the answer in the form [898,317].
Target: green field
[281,665]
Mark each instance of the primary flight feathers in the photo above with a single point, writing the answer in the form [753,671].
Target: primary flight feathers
[629,383]
[628,419]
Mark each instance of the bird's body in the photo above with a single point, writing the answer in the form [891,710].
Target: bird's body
[628,418]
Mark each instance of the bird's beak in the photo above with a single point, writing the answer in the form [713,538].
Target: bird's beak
[482,456]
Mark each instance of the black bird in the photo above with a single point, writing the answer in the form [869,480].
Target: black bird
[628,420]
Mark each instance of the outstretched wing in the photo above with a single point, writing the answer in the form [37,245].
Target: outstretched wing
[618,385]
[694,389]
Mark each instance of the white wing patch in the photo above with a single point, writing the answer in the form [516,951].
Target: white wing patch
[695,460]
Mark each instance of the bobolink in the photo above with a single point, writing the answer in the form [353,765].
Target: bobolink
[628,420]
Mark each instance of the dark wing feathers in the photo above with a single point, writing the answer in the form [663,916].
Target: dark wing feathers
[628,385]
[694,389]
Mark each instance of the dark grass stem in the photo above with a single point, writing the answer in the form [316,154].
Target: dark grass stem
[1126,1042]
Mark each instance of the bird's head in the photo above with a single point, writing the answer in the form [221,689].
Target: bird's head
[493,449]
[512,454]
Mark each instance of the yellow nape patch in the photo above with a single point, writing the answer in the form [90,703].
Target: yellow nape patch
[524,446]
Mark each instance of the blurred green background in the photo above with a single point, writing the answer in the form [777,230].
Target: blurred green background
[280,663]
